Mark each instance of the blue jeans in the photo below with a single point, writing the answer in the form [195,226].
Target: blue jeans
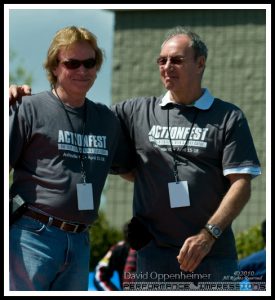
[159,265]
[45,258]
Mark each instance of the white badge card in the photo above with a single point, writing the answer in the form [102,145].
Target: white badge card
[85,196]
[178,194]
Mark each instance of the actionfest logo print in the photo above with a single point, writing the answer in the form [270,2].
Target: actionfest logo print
[94,146]
[160,136]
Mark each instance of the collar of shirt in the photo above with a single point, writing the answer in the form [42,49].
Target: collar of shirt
[204,102]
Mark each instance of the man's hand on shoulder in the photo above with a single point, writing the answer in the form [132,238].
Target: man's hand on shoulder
[16,92]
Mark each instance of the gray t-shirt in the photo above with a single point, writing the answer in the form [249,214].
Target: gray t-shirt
[44,152]
[219,141]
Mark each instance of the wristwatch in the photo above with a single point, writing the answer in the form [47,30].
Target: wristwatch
[214,230]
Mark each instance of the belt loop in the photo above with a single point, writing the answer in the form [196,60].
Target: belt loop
[62,226]
[50,221]
[75,229]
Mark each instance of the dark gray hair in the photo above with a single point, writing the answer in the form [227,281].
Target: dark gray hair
[197,44]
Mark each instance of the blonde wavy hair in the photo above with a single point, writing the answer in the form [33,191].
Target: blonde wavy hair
[66,37]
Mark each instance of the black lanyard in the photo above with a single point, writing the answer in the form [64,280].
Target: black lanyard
[174,154]
[83,173]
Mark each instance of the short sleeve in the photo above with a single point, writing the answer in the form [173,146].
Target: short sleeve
[239,153]
[125,157]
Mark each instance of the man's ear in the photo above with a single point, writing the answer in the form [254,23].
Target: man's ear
[201,63]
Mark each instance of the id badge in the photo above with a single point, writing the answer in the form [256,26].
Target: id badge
[85,196]
[178,194]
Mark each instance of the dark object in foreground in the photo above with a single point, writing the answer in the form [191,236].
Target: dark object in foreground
[138,235]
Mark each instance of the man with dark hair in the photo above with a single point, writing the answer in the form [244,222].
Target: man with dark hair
[194,161]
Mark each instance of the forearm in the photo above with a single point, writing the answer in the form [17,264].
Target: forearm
[233,202]
[196,247]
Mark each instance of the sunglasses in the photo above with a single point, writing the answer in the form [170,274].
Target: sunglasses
[73,64]
[174,60]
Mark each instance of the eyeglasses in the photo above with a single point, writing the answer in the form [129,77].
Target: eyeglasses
[174,60]
[72,64]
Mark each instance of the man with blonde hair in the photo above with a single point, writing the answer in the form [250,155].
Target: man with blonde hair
[61,149]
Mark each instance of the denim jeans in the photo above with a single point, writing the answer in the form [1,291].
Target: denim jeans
[44,258]
[159,265]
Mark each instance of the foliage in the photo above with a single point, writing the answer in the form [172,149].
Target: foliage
[19,75]
[249,241]
[102,237]
[11,177]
